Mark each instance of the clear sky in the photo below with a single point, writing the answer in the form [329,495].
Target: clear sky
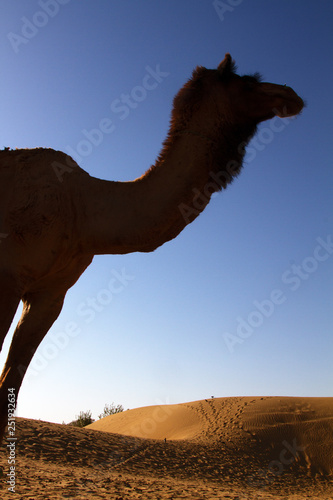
[241,302]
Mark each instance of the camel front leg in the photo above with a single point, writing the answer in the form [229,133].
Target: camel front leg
[9,301]
[39,313]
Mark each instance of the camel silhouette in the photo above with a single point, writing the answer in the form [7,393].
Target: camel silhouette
[55,217]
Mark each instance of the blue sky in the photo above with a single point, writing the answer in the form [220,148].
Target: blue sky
[255,266]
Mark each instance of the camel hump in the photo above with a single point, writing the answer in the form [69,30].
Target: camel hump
[37,158]
[37,187]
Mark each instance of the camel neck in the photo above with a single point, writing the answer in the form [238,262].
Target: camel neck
[141,215]
[196,134]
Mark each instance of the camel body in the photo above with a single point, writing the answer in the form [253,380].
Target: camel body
[39,221]
[54,217]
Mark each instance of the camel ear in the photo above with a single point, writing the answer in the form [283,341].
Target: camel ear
[227,66]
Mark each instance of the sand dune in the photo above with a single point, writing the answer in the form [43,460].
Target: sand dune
[238,448]
[304,424]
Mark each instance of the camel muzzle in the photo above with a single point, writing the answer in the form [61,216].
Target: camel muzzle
[285,101]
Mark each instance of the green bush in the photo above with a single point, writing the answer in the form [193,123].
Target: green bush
[111,410]
[83,419]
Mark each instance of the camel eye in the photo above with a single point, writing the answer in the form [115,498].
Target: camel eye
[250,82]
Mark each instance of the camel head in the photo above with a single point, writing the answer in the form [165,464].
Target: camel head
[228,98]
[256,99]
[223,109]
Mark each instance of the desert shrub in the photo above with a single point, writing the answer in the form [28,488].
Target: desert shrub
[111,410]
[83,419]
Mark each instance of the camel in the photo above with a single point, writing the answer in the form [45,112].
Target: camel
[54,216]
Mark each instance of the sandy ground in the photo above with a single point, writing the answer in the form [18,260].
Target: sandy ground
[224,448]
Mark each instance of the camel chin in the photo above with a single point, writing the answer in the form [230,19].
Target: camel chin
[288,109]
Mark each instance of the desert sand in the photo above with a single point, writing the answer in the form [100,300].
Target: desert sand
[239,448]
